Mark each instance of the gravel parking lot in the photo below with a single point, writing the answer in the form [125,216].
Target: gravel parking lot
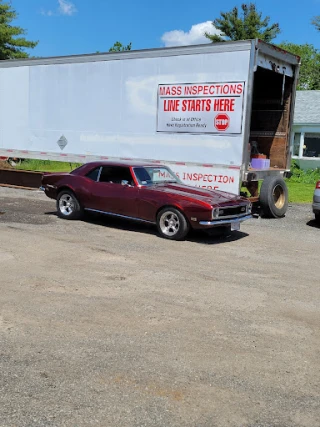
[103,323]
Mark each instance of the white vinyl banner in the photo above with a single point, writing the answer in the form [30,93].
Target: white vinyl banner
[210,178]
[201,108]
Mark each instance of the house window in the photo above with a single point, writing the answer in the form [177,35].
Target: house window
[296,144]
[311,146]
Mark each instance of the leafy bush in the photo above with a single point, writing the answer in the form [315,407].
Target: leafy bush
[310,176]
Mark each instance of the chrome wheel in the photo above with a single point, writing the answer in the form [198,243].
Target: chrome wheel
[66,205]
[169,223]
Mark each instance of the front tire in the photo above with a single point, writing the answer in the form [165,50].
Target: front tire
[317,217]
[274,197]
[172,224]
[68,206]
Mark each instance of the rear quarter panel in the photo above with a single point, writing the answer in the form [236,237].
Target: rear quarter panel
[55,183]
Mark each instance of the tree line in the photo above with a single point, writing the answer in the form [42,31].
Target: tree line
[241,23]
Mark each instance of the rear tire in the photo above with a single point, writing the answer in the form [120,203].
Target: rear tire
[274,197]
[317,217]
[68,206]
[172,224]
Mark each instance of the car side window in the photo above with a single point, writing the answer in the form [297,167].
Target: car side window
[116,174]
[93,174]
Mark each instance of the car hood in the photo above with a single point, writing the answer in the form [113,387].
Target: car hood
[213,197]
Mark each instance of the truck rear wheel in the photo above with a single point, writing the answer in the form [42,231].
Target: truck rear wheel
[274,197]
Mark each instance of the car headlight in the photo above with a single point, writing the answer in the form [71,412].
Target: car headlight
[215,213]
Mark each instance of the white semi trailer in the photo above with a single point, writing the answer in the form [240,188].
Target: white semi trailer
[220,115]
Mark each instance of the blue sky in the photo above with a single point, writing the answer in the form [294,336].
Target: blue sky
[65,27]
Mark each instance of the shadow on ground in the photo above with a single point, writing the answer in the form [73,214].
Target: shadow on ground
[313,223]
[137,227]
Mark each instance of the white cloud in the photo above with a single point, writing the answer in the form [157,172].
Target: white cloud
[64,7]
[46,12]
[194,36]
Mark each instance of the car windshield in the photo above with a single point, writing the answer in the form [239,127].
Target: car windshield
[150,175]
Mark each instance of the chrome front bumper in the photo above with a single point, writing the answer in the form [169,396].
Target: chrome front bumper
[221,222]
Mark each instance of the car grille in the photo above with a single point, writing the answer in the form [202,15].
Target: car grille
[232,211]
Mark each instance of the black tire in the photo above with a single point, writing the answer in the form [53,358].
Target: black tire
[317,217]
[274,197]
[172,224]
[68,206]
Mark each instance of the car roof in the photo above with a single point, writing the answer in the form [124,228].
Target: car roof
[87,167]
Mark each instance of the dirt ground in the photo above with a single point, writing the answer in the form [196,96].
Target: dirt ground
[103,323]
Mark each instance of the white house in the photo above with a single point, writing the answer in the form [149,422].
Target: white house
[306,129]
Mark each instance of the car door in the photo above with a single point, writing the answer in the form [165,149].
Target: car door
[110,193]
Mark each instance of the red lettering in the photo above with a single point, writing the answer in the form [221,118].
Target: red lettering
[196,105]
[233,89]
[171,105]
[184,105]
[226,89]
[203,178]
[239,89]
[170,90]
[224,104]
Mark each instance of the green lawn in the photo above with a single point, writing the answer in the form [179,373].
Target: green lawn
[299,192]
[47,166]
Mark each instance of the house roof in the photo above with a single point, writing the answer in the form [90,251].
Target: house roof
[307,108]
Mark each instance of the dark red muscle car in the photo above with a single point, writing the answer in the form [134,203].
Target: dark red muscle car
[150,193]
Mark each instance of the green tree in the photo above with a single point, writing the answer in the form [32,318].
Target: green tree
[119,47]
[309,77]
[316,22]
[243,24]
[12,40]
